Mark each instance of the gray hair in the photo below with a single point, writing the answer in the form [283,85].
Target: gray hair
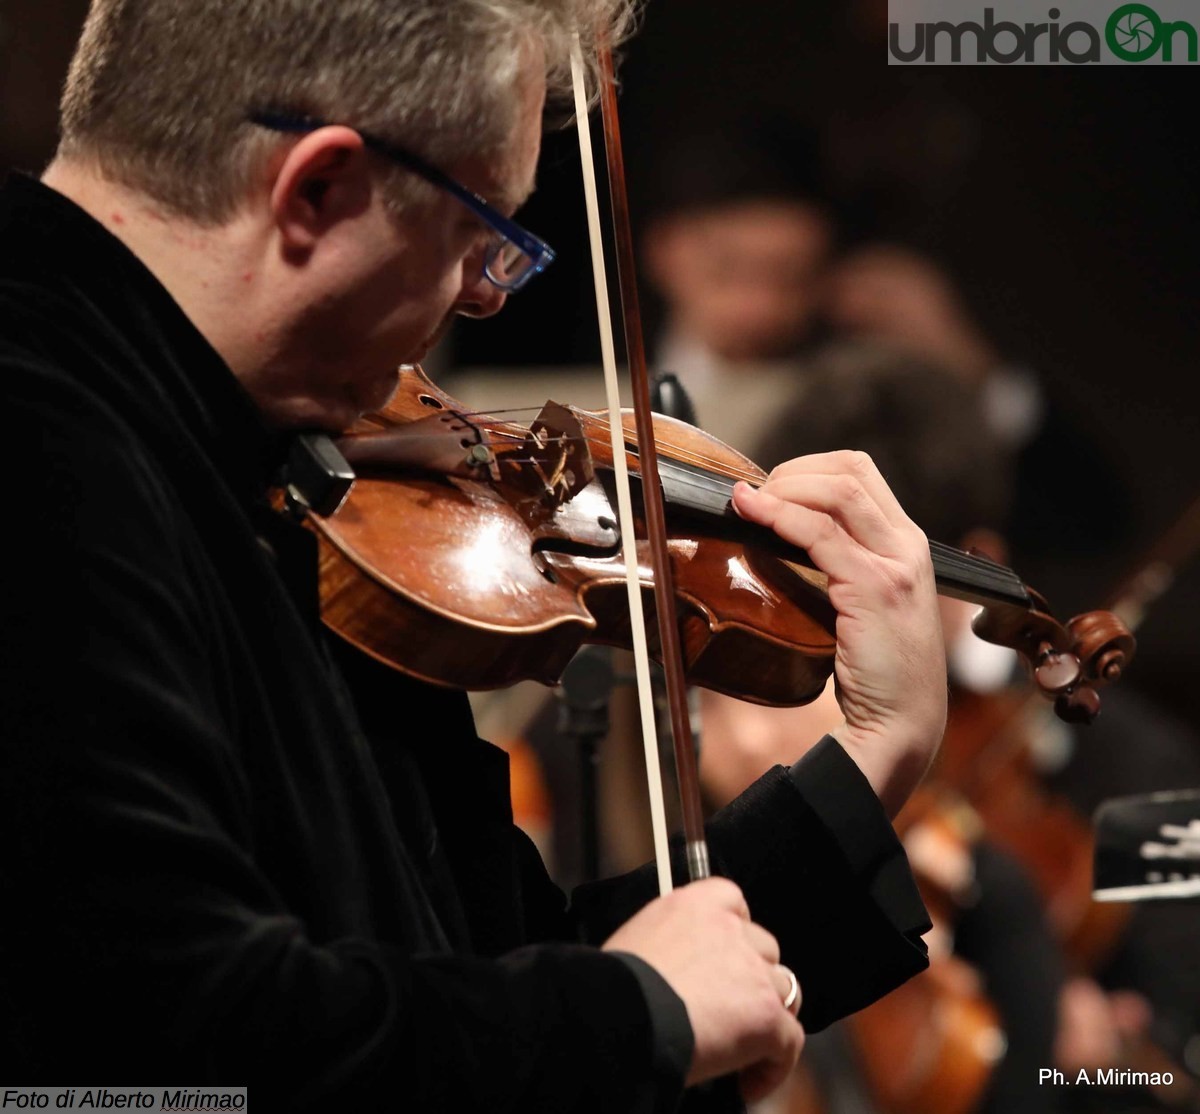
[158,92]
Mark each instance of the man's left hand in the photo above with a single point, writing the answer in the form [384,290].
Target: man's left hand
[890,663]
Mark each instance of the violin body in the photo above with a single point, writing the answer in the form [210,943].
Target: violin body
[475,552]
[483,575]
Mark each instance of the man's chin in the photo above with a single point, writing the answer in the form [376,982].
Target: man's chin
[378,395]
[337,413]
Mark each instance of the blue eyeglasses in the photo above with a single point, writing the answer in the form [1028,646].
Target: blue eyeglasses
[513,257]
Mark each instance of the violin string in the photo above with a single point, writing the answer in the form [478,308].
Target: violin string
[976,571]
[971,570]
[686,456]
[713,465]
[519,431]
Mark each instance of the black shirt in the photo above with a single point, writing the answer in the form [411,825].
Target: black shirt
[212,872]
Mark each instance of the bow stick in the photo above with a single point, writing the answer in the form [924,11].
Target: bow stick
[655,517]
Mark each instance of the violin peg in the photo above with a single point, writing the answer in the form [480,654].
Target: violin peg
[1056,671]
[1078,705]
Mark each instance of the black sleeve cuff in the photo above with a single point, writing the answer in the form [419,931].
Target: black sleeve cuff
[674,1042]
[822,869]
[838,792]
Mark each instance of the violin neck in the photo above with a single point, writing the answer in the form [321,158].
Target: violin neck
[976,579]
[693,490]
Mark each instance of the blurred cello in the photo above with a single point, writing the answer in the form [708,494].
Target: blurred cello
[988,756]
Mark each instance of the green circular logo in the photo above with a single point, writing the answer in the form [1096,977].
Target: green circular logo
[1133,32]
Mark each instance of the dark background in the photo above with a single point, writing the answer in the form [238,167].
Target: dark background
[1062,199]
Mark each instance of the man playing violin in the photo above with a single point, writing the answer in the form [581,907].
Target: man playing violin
[230,858]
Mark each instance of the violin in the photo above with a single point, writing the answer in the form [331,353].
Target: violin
[475,552]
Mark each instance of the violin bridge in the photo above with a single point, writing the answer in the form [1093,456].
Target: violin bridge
[560,464]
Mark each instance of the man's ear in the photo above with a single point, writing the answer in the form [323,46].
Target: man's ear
[325,178]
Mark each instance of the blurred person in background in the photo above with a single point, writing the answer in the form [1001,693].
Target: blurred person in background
[759,265]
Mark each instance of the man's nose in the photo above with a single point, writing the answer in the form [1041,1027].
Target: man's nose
[480,296]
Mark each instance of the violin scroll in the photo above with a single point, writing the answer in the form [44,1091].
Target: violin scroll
[1067,662]
[1105,644]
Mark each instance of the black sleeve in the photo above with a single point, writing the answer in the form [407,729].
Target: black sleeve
[821,867]
[141,939]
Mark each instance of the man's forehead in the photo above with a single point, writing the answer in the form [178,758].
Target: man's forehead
[505,178]
[519,164]
[500,185]
[506,175]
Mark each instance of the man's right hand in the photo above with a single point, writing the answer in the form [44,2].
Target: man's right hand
[701,939]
